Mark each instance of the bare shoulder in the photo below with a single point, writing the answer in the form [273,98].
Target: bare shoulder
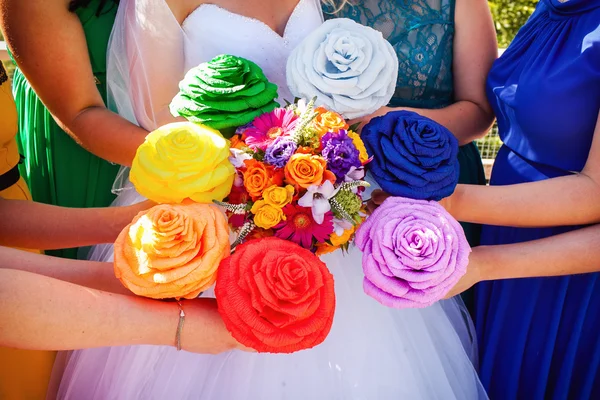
[181,9]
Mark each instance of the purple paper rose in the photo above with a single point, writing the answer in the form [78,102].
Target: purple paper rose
[414,252]
[340,153]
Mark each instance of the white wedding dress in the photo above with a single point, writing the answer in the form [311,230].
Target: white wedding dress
[372,352]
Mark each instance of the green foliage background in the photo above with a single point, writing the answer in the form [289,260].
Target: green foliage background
[509,16]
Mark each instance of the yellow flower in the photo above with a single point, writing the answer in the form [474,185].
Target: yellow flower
[266,216]
[328,121]
[360,146]
[183,160]
[278,196]
[343,239]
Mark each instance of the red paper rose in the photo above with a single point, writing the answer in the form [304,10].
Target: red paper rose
[275,296]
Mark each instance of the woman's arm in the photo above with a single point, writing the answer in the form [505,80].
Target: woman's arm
[42,313]
[49,45]
[33,225]
[568,200]
[475,50]
[91,274]
[570,253]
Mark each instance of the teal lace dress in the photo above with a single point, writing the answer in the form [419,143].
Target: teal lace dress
[422,33]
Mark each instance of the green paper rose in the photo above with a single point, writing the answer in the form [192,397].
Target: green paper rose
[226,92]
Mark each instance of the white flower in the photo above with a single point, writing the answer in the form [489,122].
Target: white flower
[355,174]
[349,67]
[340,226]
[238,157]
[317,198]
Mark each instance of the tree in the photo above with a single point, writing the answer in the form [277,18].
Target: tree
[509,17]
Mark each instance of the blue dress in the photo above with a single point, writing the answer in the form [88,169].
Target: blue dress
[422,34]
[540,338]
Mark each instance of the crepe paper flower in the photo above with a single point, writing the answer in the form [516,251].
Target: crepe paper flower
[268,127]
[275,296]
[317,199]
[341,225]
[363,155]
[258,177]
[172,251]
[224,93]
[279,152]
[414,252]
[349,67]
[266,215]
[300,227]
[340,153]
[180,161]
[414,156]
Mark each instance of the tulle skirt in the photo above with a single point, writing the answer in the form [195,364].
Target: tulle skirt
[372,352]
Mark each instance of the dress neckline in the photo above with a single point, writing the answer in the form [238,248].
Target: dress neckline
[572,6]
[292,17]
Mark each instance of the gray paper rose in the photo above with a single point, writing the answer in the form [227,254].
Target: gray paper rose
[349,67]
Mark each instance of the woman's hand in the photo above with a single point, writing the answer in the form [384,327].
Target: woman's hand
[204,330]
[365,120]
[473,275]
[377,198]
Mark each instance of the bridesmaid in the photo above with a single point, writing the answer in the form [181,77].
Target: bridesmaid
[539,337]
[24,374]
[445,49]
[64,62]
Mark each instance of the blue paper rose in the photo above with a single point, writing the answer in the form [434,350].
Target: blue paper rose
[349,67]
[413,156]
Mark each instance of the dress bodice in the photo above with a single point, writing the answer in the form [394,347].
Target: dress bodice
[422,34]
[211,30]
[545,89]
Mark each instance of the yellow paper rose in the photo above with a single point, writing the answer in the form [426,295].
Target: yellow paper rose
[172,251]
[363,156]
[266,216]
[183,160]
[278,196]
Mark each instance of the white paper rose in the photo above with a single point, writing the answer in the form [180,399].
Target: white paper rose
[349,67]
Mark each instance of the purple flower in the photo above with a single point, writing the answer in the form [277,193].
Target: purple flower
[340,153]
[280,151]
[414,252]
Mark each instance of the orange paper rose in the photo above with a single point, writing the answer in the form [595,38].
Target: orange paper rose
[258,177]
[304,170]
[172,251]
[275,297]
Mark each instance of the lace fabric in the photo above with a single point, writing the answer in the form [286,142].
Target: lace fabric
[422,33]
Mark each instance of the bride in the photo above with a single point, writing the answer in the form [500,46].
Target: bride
[372,352]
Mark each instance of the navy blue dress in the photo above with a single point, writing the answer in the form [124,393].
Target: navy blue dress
[540,338]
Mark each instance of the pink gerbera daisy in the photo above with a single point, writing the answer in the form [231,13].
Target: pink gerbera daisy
[300,227]
[268,127]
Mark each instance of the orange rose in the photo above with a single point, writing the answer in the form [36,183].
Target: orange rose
[304,170]
[328,121]
[172,251]
[258,177]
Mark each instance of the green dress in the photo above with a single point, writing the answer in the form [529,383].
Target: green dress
[57,169]
[422,34]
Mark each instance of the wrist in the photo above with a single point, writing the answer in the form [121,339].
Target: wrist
[481,261]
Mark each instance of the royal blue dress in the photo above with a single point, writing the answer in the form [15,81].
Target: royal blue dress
[540,338]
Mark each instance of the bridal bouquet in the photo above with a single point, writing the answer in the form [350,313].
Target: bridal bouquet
[299,178]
